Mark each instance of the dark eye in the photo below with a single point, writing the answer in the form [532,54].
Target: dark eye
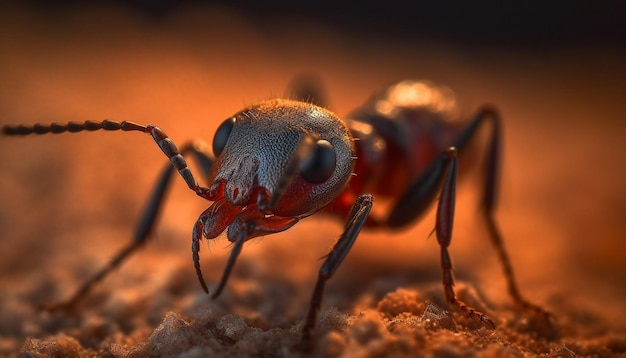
[221,135]
[320,165]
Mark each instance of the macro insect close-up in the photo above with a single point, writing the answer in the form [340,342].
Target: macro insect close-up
[174,192]
[279,161]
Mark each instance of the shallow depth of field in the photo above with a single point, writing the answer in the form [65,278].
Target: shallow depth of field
[70,202]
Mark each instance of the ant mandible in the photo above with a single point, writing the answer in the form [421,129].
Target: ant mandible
[282,160]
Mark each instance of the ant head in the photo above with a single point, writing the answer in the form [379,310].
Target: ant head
[291,158]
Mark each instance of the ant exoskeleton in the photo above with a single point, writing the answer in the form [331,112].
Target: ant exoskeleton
[281,160]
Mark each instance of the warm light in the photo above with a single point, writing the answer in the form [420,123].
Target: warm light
[418,94]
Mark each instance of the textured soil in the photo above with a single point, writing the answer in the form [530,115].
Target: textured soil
[69,202]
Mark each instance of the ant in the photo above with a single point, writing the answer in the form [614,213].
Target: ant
[279,161]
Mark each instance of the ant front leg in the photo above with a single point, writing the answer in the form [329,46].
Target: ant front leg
[199,151]
[146,223]
[357,218]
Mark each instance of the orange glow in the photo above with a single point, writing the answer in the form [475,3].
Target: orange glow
[70,202]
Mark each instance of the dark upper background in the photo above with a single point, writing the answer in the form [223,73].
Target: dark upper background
[530,25]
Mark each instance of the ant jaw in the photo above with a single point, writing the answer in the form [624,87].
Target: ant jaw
[264,201]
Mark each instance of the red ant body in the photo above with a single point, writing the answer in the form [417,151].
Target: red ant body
[282,160]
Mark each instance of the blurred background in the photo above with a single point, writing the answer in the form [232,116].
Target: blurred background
[556,70]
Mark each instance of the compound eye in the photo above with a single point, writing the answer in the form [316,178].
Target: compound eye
[221,135]
[320,165]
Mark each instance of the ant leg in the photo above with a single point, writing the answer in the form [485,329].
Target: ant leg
[422,192]
[146,223]
[307,87]
[489,202]
[357,218]
[443,228]
[418,198]
[489,199]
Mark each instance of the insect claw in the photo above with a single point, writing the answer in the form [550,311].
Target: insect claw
[486,321]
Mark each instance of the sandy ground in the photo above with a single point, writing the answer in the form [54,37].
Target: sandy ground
[68,203]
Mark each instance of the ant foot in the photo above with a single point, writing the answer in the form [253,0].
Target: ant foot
[474,314]
[537,311]
[538,320]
